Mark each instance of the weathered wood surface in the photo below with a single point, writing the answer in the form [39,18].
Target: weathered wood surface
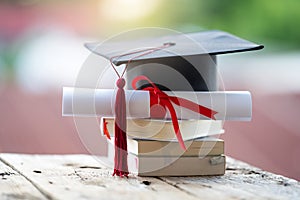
[84,177]
[15,186]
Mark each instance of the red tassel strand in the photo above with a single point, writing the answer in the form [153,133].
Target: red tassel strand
[121,166]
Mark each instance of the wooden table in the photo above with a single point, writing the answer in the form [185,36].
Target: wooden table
[84,177]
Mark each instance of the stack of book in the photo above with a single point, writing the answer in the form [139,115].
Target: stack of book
[152,144]
[153,149]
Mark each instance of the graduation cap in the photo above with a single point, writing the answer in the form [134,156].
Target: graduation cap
[176,62]
[187,64]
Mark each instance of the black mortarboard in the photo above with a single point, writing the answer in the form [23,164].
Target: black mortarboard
[188,64]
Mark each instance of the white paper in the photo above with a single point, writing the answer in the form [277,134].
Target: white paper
[230,105]
[236,105]
[100,102]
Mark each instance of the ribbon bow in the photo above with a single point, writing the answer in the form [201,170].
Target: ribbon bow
[158,97]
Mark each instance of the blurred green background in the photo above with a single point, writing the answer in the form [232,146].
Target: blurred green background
[274,23]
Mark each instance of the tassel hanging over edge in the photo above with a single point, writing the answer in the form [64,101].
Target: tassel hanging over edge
[120,165]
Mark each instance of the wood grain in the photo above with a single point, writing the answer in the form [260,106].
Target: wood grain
[85,177]
[15,186]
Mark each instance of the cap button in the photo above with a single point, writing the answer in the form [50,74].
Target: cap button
[169,43]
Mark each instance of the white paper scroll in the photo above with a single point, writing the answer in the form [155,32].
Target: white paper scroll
[100,102]
[235,105]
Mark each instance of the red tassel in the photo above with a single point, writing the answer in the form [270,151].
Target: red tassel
[121,166]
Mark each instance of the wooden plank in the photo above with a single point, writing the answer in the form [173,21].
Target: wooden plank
[83,177]
[241,181]
[15,186]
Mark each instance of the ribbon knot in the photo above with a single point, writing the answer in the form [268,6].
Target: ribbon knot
[158,97]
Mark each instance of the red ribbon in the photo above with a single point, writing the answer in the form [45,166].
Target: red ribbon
[158,97]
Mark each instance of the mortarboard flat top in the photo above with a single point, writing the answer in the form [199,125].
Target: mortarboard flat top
[207,42]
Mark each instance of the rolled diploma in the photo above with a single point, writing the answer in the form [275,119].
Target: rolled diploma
[230,105]
[87,102]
